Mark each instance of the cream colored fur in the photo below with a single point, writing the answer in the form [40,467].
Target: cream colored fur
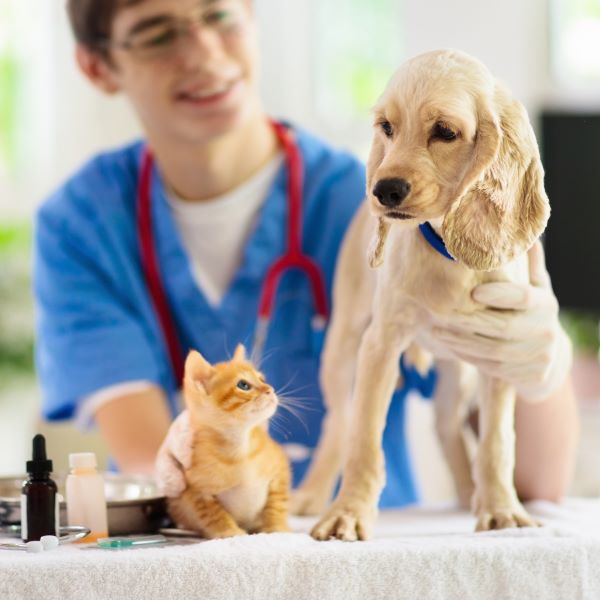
[483,193]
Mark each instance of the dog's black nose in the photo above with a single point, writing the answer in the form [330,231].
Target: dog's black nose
[391,192]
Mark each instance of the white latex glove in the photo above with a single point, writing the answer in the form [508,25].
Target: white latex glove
[174,456]
[516,335]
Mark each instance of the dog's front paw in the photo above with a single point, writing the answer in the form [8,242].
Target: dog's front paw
[496,517]
[497,507]
[345,521]
[308,501]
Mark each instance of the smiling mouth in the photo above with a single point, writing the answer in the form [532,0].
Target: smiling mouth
[208,95]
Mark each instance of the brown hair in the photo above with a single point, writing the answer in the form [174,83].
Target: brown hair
[91,20]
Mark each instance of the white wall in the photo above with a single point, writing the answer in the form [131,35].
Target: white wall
[63,119]
[85,121]
[73,121]
[510,37]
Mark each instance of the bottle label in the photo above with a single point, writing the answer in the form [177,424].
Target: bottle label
[23,516]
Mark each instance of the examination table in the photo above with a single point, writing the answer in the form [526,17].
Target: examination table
[416,553]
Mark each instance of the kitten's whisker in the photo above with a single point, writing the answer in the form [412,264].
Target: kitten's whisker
[293,412]
[290,397]
[278,427]
[300,401]
[286,420]
[299,417]
[301,408]
[247,342]
[264,356]
[298,389]
[290,383]
[227,352]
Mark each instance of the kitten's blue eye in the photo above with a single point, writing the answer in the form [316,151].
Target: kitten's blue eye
[243,385]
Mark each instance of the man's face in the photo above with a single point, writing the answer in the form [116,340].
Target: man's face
[188,66]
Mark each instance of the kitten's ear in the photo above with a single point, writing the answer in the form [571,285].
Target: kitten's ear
[197,370]
[240,352]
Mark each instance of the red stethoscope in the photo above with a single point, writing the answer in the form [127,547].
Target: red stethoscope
[292,259]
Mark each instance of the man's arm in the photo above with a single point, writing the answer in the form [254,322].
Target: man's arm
[547,434]
[134,426]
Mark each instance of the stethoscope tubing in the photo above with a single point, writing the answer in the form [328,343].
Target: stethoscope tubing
[293,258]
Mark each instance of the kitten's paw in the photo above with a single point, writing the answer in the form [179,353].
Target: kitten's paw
[344,521]
[308,501]
[275,528]
[229,532]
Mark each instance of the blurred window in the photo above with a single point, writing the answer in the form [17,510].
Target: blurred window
[9,86]
[357,46]
[575,41]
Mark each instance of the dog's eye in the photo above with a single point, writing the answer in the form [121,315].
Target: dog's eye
[442,132]
[387,128]
[243,385]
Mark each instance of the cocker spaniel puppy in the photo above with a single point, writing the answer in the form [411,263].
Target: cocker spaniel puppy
[454,162]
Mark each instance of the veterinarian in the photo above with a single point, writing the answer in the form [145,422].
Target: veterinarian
[198,213]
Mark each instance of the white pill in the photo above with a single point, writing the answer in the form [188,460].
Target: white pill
[34,547]
[49,542]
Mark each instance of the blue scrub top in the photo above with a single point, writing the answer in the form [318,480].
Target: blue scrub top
[96,326]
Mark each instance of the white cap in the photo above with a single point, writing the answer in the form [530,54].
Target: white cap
[49,542]
[82,460]
[34,546]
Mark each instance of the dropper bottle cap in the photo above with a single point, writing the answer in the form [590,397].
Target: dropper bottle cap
[83,460]
[40,465]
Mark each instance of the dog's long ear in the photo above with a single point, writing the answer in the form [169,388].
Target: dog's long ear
[377,247]
[501,207]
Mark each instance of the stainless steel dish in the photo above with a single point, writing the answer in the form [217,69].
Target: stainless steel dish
[133,503]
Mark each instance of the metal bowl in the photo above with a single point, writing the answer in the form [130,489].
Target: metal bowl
[133,503]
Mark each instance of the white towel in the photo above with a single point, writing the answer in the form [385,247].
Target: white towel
[415,554]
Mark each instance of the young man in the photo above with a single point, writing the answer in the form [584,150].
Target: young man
[218,202]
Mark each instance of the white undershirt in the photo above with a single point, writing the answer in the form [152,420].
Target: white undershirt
[214,234]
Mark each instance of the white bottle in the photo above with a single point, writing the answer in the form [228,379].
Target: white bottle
[86,502]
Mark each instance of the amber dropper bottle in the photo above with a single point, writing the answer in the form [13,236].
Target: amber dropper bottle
[39,499]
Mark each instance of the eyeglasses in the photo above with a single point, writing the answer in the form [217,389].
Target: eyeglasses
[165,36]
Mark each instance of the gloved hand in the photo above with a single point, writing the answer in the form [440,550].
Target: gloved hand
[174,456]
[516,335]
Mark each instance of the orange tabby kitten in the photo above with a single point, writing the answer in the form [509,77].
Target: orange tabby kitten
[239,478]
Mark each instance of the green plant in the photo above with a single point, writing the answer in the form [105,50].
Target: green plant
[583,329]
[10,85]
[16,304]
[8,109]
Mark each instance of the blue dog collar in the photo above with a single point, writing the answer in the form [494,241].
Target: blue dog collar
[434,240]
